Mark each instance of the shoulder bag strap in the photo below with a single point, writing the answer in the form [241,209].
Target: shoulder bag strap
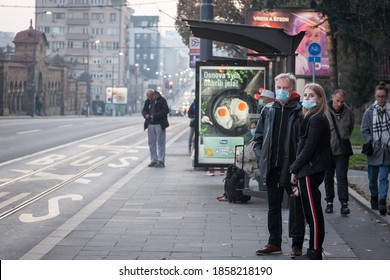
[335,127]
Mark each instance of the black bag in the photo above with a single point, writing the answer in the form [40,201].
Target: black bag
[234,183]
[345,144]
[346,147]
[367,149]
[296,217]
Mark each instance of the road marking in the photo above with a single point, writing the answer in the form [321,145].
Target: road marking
[53,207]
[29,131]
[123,162]
[86,181]
[41,249]
[3,194]
[13,199]
[63,126]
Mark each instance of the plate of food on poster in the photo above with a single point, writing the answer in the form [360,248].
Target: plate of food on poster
[229,111]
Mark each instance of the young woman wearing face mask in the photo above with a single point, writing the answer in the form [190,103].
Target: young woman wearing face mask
[313,158]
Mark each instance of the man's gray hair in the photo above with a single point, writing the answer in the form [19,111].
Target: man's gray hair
[289,76]
[149,90]
[342,92]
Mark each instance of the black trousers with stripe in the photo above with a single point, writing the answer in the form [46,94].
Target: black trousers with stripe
[311,200]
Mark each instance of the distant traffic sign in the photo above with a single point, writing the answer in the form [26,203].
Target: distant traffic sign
[314,49]
[314,58]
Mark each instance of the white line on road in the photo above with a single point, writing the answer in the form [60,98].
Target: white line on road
[13,199]
[63,126]
[29,131]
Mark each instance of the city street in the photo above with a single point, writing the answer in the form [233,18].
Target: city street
[80,188]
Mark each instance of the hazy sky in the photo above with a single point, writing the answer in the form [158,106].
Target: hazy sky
[15,15]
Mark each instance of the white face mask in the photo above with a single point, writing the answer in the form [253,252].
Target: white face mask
[282,95]
[261,102]
[253,131]
[309,104]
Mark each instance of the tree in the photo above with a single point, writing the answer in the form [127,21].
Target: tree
[232,11]
[358,35]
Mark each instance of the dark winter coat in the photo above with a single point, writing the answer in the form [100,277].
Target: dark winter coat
[314,151]
[267,130]
[158,110]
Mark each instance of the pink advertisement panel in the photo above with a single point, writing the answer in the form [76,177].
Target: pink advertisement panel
[294,22]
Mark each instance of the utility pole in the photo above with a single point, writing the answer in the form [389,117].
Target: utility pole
[206,46]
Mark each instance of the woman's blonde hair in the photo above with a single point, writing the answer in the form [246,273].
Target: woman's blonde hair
[322,106]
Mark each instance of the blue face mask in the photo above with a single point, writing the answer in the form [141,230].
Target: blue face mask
[253,131]
[261,102]
[282,95]
[309,104]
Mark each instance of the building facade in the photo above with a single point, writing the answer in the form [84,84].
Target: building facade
[24,92]
[93,37]
[146,51]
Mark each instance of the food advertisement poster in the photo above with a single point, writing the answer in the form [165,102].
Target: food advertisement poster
[294,22]
[227,99]
[119,94]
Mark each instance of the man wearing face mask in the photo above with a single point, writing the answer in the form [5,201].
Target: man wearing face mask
[266,98]
[276,142]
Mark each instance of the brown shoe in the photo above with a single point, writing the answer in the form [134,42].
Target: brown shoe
[295,252]
[269,249]
[223,198]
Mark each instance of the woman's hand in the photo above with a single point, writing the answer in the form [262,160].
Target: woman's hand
[293,179]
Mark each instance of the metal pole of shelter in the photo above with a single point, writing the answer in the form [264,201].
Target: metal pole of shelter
[206,46]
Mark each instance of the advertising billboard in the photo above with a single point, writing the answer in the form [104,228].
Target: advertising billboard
[119,94]
[294,22]
[227,100]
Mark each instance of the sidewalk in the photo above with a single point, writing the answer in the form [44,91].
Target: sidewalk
[170,213]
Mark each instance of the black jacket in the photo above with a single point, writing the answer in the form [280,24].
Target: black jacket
[314,152]
[266,131]
[158,110]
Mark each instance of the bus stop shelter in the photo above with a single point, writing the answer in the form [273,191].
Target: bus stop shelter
[267,41]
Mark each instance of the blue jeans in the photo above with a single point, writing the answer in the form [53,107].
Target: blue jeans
[383,172]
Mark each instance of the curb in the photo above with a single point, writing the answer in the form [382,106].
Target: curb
[364,203]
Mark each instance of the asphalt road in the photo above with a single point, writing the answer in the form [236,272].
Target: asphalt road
[25,136]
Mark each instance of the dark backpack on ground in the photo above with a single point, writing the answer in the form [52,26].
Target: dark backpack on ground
[234,183]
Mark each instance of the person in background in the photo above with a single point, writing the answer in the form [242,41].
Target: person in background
[375,129]
[313,158]
[155,112]
[342,119]
[276,142]
[191,115]
[266,98]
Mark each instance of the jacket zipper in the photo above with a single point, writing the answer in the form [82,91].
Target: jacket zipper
[280,129]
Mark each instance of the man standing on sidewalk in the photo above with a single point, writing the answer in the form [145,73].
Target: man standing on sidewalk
[276,143]
[341,122]
[155,112]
